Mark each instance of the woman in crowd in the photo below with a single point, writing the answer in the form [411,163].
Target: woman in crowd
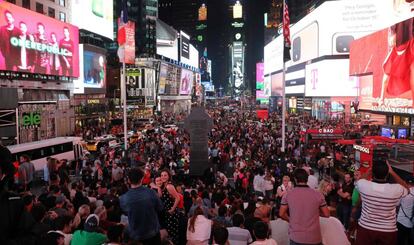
[199,228]
[170,199]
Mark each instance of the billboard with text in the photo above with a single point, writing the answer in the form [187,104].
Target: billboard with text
[34,43]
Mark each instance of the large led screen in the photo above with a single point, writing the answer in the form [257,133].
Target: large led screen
[94,15]
[259,76]
[187,80]
[385,60]
[329,78]
[277,84]
[92,74]
[34,43]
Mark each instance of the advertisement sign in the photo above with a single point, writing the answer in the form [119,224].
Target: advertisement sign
[135,84]
[208,86]
[259,76]
[185,45]
[194,58]
[237,10]
[238,64]
[277,84]
[34,43]
[329,78]
[149,89]
[92,69]
[315,35]
[383,59]
[94,15]
[129,42]
[163,78]
[187,80]
[31,120]
[267,87]
[172,80]
[202,12]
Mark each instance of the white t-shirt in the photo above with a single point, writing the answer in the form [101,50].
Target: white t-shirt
[333,232]
[379,202]
[258,182]
[202,229]
[268,185]
[406,209]
[239,236]
[313,182]
[280,231]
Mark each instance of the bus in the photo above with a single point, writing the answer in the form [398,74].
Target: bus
[60,148]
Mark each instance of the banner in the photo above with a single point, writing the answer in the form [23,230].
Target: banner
[135,85]
[187,80]
[383,60]
[34,43]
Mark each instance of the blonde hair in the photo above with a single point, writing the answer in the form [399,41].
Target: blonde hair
[323,187]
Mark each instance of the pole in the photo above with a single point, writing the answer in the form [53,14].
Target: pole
[124,99]
[17,126]
[283,109]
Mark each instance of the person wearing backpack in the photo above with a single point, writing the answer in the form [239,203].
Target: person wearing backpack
[405,218]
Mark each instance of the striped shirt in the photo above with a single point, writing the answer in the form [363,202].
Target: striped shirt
[379,202]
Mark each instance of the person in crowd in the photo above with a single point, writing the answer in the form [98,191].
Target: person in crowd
[117,174]
[301,207]
[115,234]
[268,185]
[142,206]
[312,180]
[198,228]
[333,232]
[220,236]
[405,218]
[258,183]
[222,218]
[279,230]
[53,238]
[344,207]
[63,225]
[237,234]
[90,235]
[378,224]
[261,233]
[26,172]
[170,199]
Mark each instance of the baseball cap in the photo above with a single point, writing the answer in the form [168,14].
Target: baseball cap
[91,223]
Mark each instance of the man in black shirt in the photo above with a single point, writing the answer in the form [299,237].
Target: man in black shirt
[344,207]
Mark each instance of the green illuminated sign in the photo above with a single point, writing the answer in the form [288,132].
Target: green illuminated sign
[200,38]
[31,119]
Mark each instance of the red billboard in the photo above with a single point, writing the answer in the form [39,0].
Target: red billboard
[34,43]
[383,62]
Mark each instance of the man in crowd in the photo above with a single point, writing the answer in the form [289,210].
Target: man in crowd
[304,205]
[378,224]
[344,207]
[237,234]
[142,206]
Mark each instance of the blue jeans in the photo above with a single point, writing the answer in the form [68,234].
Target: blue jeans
[343,211]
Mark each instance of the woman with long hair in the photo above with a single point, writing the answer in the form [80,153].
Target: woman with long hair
[171,199]
[198,228]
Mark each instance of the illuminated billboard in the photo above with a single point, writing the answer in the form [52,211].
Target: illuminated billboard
[34,43]
[383,60]
[202,13]
[238,64]
[186,83]
[259,76]
[94,15]
[237,10]
[329,78]
[277,84]
[92,66]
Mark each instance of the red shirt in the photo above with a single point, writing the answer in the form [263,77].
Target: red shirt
[181,203]
[147,178]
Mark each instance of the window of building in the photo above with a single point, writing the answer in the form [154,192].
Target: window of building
[62,3]
[39,8]
[26,4]
[62,16]
[51,12]
[12,1]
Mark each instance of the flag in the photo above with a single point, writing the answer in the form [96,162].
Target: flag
[286,32]
[122,21]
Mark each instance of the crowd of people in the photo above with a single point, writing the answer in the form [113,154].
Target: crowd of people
[252,192]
